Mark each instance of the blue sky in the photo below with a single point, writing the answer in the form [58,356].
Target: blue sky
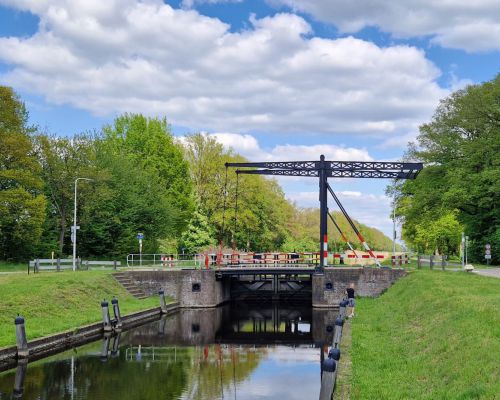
[274,79]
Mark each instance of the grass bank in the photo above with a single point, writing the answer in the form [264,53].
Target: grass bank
[56,301]
[433,335]
[13,267]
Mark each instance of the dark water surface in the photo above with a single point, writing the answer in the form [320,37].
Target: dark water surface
[243,352]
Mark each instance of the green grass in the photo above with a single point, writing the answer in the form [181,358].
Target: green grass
[53,302]
[13,267]
[433,335]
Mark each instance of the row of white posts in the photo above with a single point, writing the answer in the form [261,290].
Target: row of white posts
[330,365]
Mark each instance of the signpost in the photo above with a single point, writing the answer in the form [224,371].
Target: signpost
[462,248]
[140,236]
[487,253]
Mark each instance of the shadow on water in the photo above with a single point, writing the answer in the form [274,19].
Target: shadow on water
[241,351]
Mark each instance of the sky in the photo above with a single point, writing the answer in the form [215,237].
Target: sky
[273,79]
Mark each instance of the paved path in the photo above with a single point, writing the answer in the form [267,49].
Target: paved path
[495,273]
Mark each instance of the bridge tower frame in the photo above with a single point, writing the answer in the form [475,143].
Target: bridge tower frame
[323,170]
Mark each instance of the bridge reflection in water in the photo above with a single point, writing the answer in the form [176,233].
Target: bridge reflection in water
[232,351]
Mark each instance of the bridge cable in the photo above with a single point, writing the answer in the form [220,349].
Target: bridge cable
[344,238]
[358,233]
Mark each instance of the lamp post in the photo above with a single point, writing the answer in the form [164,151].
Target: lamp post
[73,233]
[394,230]
[466,244]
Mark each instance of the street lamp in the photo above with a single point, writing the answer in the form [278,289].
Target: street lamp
[74,227]
[394,230]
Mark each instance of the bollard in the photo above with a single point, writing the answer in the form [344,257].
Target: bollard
[343,308]
[334,354]
[116,311]
[37,265]
[18,391]
[105,347]
[443,262]
[337,333]
[115,349]
[328,375]
[163,305]
[329,365]
[21,341]
[58,264]
[105,316]
[115,265]
[431,262]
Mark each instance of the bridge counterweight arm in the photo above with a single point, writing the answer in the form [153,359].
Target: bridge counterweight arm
[333,169]
[331,174]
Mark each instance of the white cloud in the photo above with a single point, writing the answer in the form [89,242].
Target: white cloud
[145,56]
[248,146]
[245,145]
[192,3]
[470,25]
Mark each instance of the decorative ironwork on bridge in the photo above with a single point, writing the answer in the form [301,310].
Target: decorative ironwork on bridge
[324,169]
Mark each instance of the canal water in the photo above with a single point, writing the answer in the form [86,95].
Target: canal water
[231,352]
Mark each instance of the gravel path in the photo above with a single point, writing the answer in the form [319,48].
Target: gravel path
[495,273]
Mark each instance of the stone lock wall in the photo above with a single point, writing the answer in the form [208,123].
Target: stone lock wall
[200,288]
[191,288]
[329,288]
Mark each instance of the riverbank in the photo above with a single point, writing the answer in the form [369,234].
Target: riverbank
[433,334]
[54,302]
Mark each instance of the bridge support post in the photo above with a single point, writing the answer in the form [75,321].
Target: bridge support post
[323,211]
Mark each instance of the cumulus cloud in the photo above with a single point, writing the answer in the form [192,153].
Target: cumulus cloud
[470,25]
[193,3]
[275,76]
[248,146]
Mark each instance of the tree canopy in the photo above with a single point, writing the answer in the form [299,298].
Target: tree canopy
[22,203]
[177,192]
[459,188]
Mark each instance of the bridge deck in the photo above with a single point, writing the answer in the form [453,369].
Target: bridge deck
[273,270]
[245,270]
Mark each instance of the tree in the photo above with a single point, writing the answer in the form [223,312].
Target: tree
[22,204]
[149,145]
[198,236]
[62,160]
[124,200]
[461,151]
[261,221]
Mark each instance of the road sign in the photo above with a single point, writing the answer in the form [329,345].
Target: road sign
[487,252]
[140,236]
[487,246]
[487,256]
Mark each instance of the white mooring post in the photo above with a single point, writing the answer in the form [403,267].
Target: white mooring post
[337,332]
[21,341]
[163,304]
[105,317]
[116,312]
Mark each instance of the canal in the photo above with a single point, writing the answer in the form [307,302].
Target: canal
[239,351]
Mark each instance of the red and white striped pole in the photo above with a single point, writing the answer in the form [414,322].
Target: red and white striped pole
[325,251]
[358,233]
[367,248]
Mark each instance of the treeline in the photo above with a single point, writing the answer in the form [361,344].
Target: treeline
[139,178]
[459,188]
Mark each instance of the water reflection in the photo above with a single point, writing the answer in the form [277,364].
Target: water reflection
[239,352]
